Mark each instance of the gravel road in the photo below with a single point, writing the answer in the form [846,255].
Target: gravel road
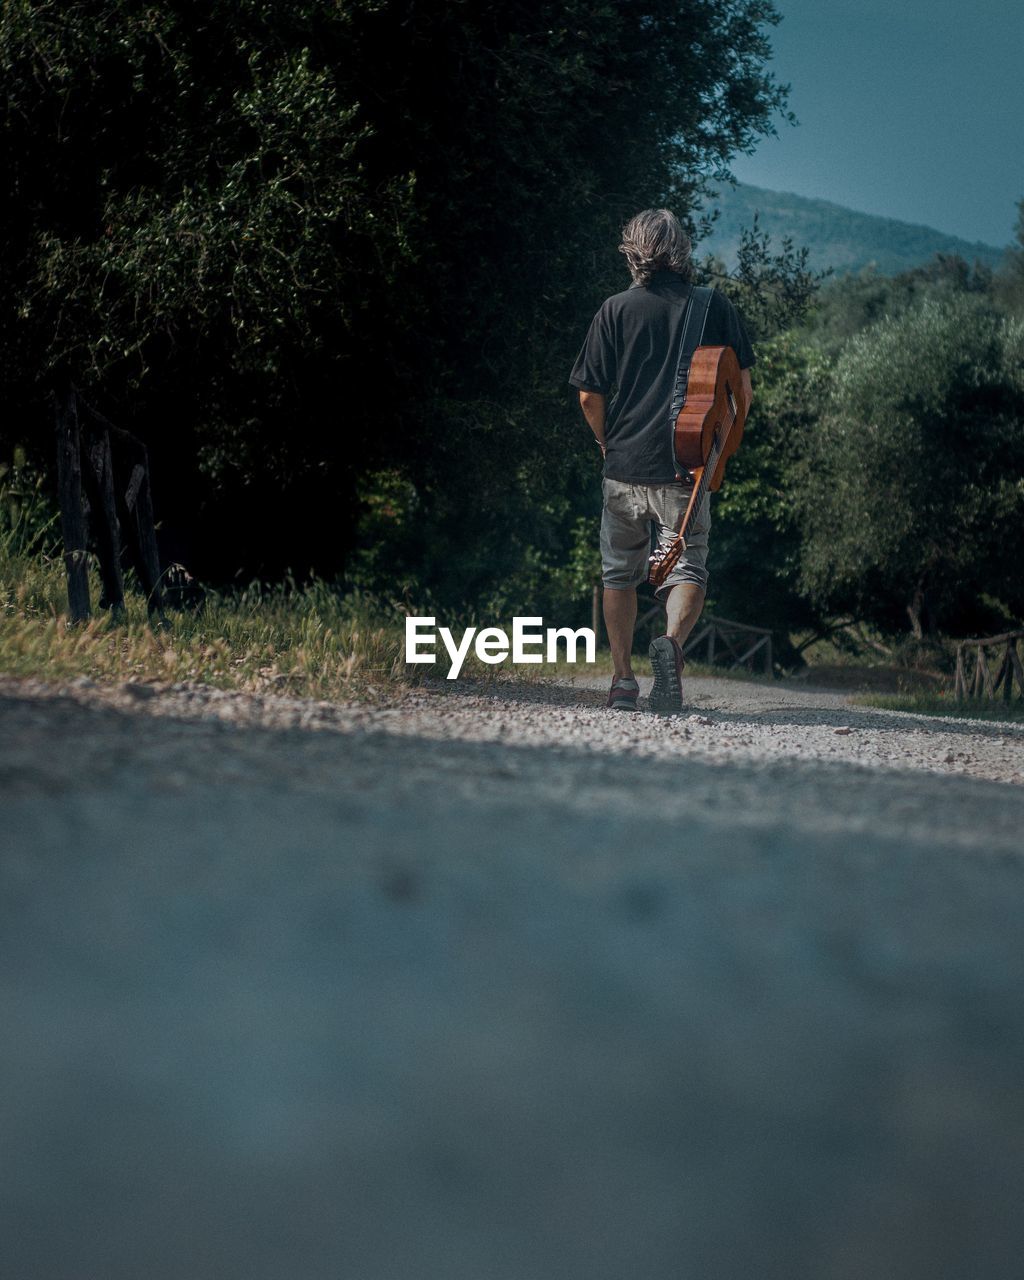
[493,984]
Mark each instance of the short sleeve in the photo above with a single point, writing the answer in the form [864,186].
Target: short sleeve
[594,369]
[737,335]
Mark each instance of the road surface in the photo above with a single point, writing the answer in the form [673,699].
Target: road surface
[493,984]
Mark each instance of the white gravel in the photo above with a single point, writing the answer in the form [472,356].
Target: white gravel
[723,721]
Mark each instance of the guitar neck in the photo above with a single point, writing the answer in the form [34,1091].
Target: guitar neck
[708,469]
[701,487]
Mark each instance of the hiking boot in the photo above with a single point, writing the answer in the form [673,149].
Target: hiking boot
[667,665]
[623,694]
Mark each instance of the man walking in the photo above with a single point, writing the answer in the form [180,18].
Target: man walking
[633,348]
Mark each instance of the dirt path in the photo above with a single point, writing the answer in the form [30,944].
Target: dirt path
[498,985]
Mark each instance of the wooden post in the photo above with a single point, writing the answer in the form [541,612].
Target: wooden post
[986,674]
[1005,677]
[73,526]
[1016,664]
[99,485]
[131,476]
[980,683]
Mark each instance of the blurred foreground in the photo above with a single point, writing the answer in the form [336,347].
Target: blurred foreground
[284,1003]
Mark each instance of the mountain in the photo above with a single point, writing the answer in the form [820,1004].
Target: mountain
[836,237]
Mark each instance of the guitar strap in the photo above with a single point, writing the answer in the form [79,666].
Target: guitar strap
[694,321]
[693,334]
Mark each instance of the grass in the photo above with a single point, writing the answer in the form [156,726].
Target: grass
[306,641]
[911,676]
[309,641]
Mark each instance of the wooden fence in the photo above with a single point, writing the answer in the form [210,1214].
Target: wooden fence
[735,642]
[724,641]
[975,665]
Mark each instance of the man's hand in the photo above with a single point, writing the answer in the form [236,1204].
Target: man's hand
[593,405]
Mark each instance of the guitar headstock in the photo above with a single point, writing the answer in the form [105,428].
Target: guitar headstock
[663,561]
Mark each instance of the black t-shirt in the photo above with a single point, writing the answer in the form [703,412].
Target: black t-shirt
[632,347]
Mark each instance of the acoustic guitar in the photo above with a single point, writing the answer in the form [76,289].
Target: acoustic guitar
[707,433]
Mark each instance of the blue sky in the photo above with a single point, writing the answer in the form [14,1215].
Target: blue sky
[909,109]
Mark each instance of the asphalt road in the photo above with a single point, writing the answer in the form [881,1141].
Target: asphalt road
[375,1003]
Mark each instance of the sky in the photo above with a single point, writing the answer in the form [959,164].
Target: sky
[912,109]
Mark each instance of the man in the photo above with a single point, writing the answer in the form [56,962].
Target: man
[633,347]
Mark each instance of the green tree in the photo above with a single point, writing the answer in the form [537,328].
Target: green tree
[848,305]
[317,252]
[757,535]
[911,500]
[1010,280]
[773,287]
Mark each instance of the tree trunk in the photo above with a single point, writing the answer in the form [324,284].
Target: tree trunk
[73,526]
[99,485]
[135,503]
[914,610]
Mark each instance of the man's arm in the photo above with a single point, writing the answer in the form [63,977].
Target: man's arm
[593,404]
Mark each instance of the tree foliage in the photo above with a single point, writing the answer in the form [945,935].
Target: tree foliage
[772,286]
[846,306]
[912,490]
[1010,280]
[757,539]
[322,254]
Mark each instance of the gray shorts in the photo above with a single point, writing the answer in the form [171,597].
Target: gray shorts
[628,514]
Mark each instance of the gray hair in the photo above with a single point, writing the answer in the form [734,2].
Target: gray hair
[654,241]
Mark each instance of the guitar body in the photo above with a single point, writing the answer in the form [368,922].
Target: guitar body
[713,395]
[707,433]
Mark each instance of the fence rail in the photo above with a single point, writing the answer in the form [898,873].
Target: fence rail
[723,640]
[737,641]
[974,667]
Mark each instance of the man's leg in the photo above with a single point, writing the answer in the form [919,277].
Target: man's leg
[683,601]
[683,606]
[619,619]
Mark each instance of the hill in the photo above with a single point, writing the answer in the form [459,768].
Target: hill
[837,237]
